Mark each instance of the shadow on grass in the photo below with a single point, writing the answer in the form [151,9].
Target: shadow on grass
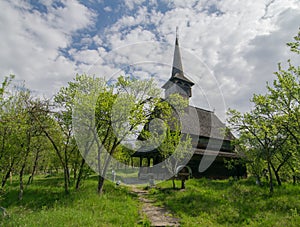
[43,192]
[48,191]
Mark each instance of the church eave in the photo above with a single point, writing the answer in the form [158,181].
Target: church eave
[182,78]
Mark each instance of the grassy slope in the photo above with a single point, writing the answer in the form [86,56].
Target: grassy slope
[45,204]
[228,203]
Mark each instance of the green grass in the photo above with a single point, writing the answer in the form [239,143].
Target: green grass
[45,204]
[202,203]
[230,203]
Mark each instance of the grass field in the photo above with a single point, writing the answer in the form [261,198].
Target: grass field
[202,203]
[230,203]
[45,204]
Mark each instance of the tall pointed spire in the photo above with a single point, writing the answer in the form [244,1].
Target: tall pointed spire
[177,69]
[177,65]
[178,83]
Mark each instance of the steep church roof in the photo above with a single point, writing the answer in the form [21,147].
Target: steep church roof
[204,123]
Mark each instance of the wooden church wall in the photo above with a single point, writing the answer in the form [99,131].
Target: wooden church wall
[217,170]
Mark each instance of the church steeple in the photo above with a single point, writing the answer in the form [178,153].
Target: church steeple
[178,83]
[177,65]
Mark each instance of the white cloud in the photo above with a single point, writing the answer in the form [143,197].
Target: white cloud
[107,9]
[132,3]
[31,41]
[223,34]
[231,44]
[85,56]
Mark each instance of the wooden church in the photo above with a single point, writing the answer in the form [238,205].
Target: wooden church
[211,139]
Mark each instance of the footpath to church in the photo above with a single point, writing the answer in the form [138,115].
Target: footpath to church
[158,216]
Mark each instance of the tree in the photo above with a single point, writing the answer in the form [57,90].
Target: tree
[84,124]
[285,97]
[8,141]
[40,157]
[258,135]
[18,131]
[16,134]
[270,132]
[61,133]
[112,113]
[128,109]
[174,147]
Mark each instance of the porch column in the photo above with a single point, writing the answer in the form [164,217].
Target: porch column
[141,161]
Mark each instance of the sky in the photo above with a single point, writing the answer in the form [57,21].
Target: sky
[229,48]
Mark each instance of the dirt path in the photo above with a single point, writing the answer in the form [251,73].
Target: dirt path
[158,216]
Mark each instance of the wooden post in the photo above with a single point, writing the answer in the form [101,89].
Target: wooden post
[141,161]
[183,183]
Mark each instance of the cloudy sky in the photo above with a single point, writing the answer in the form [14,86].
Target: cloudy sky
[230,48]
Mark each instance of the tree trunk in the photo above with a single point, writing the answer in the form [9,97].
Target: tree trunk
[106,164]
[276,172]
[66,166]
[30,179]
[10,177]
[101,178]
[63,161]
[277,178]
[270,178]
[183,184]
[80,174]
[23,166]
[173,182]
[68,174]
[4,179]
[75,172]
[294,174]
[100,184]
[8,173]
[66,185]
[21,182]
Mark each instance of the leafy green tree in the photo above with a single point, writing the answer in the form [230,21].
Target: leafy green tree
[270,132]
[285,98]
[59,130]
[284,95]
[258,134]
[295,46]
[14,141]
[120,114]
[176,149]
[18,131]
[8,133]
[107,114]
[87,91]
[173,147]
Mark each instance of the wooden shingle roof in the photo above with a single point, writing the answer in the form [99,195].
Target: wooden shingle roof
[205,123]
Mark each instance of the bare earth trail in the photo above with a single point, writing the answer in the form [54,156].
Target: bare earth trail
[158,216]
